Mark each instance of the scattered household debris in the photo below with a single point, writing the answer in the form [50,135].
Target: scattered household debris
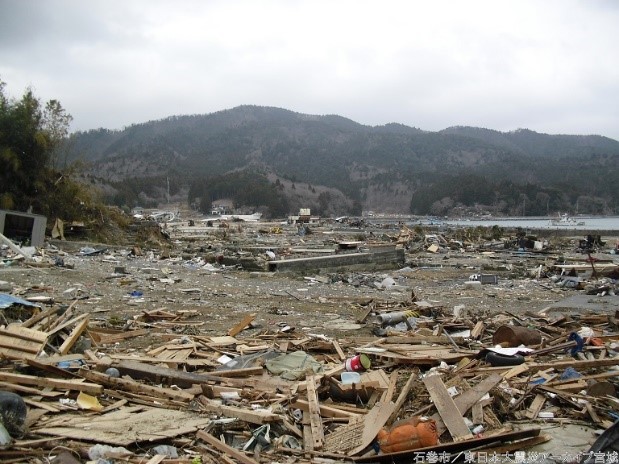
[150,355]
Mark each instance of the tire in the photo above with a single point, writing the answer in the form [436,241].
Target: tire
[498,359]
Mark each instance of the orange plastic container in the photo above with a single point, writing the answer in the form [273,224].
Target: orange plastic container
[408,434]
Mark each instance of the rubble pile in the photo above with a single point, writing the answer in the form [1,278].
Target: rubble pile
[468,351]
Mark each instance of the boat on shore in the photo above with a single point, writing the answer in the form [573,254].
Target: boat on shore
[566,221]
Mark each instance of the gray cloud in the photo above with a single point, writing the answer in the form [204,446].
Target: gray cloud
[549,66]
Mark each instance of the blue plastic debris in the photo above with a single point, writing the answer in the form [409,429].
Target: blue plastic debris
[580,343]
[6,301]
[570,373]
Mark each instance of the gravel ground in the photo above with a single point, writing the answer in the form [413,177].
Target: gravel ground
[116,287]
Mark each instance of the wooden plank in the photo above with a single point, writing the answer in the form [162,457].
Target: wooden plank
[510,447]
[69,323]
[575,386]
[308,441]
[224,448]
[220,341]
[478,330]
[41,405]
[402,397]
[467,399]
[108,339]
[73,336]
[376,377]
[477,413]
[449,412]
[133,386]
[594,417]
[318,436]
[29,390]
[326,411]
[339,351]
[516,370]
[23,333]
[376,395]
[241,325]
[292,428]
[258,416]
[243,372]
[388,394]
[558,365]
[55,359]
[603,375]
[160,374]
[26,349]
[426,356]
[52,369]
[18,342]
[536,406]
[57,384]
[42,315]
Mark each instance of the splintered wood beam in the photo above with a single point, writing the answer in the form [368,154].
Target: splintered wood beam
[73,336]
[318,437]
[18,342]
[43,314]
[388,394]
[135,387]
[449,412]
[339,351]
[57,384]
[478,330]
[308,441]
[402,397]
[327,411]
[536,406]
[466,400]
[258,417]
[241,325]
[224,448]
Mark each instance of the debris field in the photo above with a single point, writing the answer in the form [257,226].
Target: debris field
[273,343]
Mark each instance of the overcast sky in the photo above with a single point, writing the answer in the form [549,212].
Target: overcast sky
[547,65]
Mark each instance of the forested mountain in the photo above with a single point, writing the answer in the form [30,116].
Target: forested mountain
[337,166]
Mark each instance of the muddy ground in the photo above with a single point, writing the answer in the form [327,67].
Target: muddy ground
[116,286]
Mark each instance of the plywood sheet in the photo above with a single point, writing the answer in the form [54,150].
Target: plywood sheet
[126,426]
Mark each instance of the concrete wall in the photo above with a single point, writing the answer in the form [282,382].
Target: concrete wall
[26,228]
[390,259]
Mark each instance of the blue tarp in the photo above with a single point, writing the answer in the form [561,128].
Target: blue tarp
[9,300]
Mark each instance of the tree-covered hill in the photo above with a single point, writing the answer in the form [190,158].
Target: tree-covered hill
[391,168]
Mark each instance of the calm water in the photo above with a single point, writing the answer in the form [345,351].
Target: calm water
[590,223]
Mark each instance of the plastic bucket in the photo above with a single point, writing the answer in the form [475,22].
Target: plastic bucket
[357,363]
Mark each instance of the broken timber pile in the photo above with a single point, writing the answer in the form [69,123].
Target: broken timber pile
[285,397]
[442,383]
